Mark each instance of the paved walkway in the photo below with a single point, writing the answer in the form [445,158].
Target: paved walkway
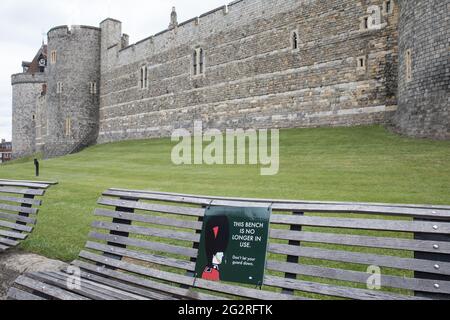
[15,263]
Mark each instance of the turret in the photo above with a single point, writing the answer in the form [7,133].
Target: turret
[27,88]
[73,89]
[424,69]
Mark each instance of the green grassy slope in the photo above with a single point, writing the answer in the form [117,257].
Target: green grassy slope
[333,164]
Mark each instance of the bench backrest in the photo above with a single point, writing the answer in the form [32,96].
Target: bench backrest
[18,209]
[316,250]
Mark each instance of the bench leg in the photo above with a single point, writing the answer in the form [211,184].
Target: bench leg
[119,234]
[293,259]
[23,214]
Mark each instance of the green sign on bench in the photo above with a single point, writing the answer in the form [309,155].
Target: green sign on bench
[233,245]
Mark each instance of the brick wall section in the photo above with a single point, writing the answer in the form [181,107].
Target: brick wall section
[253,78]
[424,101]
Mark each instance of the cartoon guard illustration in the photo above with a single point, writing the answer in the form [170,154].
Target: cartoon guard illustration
[216,242]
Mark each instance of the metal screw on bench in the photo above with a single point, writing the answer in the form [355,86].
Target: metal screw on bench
[36,166]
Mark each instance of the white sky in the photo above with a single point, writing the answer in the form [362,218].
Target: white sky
[23,23]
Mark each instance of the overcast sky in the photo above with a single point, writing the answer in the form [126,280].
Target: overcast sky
[23,23]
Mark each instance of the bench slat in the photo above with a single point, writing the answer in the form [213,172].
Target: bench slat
[359,277]
[3,247]
[14,226]
[131,289]
[18,209]
[48,183]
[84,290]
[186,211]
[16,217]
[164,261]
[334,291]
[422,206]
[14,235]
[47,289]
[108,292]
[187,281]
[362,241]
[187,224]
[21,200]
[16,294]
[8,242]
[160,287]
[155,246]
[160,233]
[297,207]
[362,258]
[31,192]
[366,224]
[23,184]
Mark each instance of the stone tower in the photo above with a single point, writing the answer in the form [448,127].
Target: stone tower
[424,69]
[73,89]
[27,87]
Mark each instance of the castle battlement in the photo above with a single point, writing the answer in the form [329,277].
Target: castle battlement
[21,78]
[248,64]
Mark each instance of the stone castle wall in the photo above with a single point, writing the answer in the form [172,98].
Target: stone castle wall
[424,100]
[253,77]
[345,71]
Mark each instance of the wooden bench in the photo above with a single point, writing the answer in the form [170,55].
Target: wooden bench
[144,246]
[18,210]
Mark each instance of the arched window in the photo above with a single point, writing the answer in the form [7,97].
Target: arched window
[294,40]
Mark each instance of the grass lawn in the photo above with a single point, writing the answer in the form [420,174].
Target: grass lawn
[333,164]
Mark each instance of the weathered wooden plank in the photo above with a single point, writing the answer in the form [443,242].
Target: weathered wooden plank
[124,287]
[14,235]
[16,217]
[34,192]
[363,258]
[10,183]
[16,294]
[366,224]
[145,196]
[96,291]
[48,290]
[244,292]
[31,181]
[18,209]
[144,282]
[160,260]
[179,210]
[393,211]
[422,206]
[334,291]
[290,207]
[163,221]
[184,280]
[3,247]
[15,226]
[363,241]
[34,202]
[8,242]
[155,246]
[83,290]
[146,231]
[359,277]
